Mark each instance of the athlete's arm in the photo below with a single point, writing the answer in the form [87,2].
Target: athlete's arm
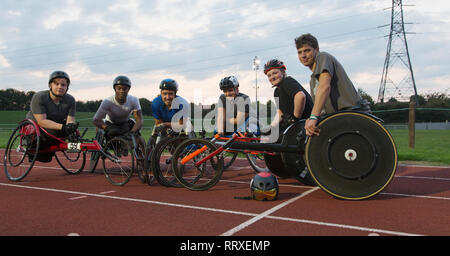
[220,122]
[299,104]
[139,120]
[43,122]
[322,93]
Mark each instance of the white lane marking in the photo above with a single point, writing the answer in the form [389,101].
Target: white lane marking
[107,192]
[266,213]
[421,177]
[77,197]
[320,223]
[418,196]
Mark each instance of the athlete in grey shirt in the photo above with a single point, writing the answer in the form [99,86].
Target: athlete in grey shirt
[331,88]
[114,112]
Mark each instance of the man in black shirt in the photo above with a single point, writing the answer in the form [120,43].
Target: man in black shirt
[294,102]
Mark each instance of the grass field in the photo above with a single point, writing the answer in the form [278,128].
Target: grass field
[431,146]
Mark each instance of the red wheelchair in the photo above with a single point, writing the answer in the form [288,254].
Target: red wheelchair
[25,145]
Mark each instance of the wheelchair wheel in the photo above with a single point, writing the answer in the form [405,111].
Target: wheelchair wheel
[256,161]
[202,177]
[149,147]
[294,162]
[71,162]
[276,165]
[354,157]
[95,156]
[161,161]
[21,151]
[228,159]
[140,159]
[120,163]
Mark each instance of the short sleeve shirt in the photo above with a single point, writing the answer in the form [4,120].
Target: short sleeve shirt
[41,103]
[343,94]
[239,104]
[117,113]
[161,112]
[285,94]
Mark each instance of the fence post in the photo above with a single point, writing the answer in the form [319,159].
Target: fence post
[412,123]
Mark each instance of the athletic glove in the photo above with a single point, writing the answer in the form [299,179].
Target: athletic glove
[112,130]
[290,119]
[70,128]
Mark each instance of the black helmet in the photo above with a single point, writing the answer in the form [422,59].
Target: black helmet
[228,82]
[264,186]
[168,84]
[121,80]
[273,63]
[58,74]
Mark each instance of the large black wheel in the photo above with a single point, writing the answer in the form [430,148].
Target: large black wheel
[354,157]
[193,177]
[21,151]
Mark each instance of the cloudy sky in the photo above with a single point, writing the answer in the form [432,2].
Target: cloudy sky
[198,42]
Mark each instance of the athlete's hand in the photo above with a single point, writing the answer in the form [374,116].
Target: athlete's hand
[70,128]
[311,127]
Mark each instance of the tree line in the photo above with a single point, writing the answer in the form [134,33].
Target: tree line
[432,107]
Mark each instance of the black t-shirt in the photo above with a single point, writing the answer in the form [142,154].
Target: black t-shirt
[285,93]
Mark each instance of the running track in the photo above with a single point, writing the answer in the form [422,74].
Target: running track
[49,202]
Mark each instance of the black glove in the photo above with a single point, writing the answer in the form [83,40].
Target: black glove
[290,119]
[112,130]
[70,128]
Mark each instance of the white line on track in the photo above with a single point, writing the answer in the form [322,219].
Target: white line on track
[422,177]
[418,196]
[266,213]
[107,192]
[216,210]
[77,197]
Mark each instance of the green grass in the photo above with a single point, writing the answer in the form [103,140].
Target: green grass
[431,146]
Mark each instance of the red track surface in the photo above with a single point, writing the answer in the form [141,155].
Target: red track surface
[50,202]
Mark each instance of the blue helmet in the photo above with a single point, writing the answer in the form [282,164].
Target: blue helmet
[168,84]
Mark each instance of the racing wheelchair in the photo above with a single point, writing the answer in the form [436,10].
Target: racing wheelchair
[162,144]
[129,149]
[25,147]
[354,157]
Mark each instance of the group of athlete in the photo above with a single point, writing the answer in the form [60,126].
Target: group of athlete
[331,91]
